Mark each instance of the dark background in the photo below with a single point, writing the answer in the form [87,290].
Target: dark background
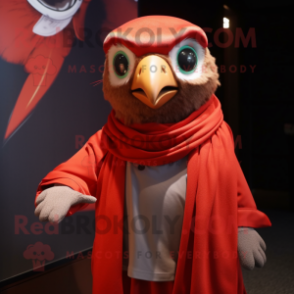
[257,105]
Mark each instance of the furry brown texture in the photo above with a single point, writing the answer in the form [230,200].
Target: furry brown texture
[190,96]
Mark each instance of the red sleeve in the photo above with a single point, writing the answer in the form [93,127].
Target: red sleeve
[80,172]
[248,214]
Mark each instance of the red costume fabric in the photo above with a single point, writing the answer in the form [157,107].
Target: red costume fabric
[135,286]
[218,199]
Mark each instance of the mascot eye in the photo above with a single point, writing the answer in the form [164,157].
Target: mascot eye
[59,5]
[121,64]
[57,9]
[187,59]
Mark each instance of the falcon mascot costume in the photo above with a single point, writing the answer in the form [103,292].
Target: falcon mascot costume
[174,213]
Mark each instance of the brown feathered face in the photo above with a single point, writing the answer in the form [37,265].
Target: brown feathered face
[159,88]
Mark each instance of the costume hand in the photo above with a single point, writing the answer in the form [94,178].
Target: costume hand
[251,248]
[54,203]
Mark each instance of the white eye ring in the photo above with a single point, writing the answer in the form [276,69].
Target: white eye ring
[113,78]
[200,51]
[46,10]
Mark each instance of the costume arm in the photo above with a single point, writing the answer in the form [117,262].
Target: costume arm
[80,172]
[248,214]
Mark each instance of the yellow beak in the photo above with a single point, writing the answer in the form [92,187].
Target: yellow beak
[154,83]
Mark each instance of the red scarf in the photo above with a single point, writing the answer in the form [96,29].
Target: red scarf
[208,261]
